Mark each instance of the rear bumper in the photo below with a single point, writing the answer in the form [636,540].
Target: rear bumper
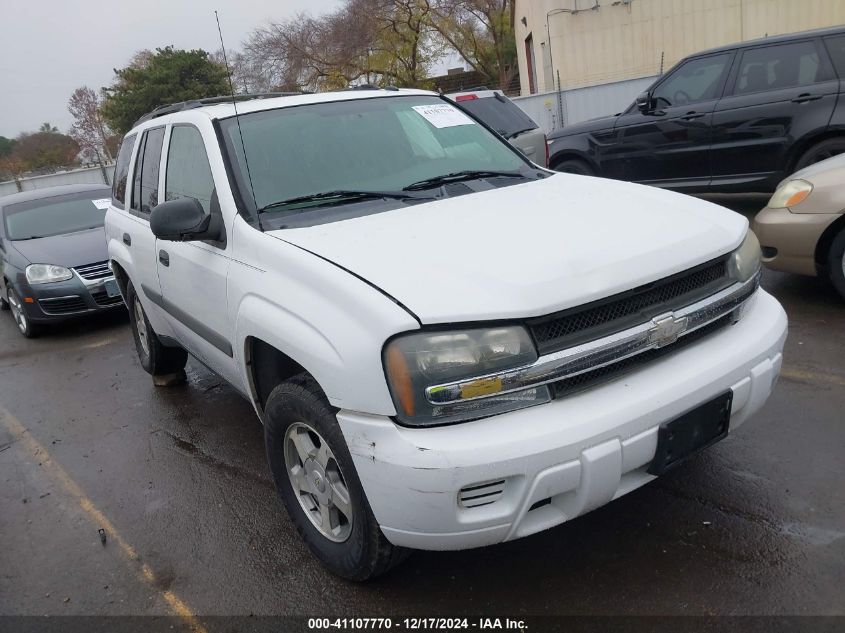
[558,460]
[794,237]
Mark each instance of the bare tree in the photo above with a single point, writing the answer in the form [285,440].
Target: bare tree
[373,41]
[481,31]
[89,129]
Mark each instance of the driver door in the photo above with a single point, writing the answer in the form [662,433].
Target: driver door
[669,144]
[193,274]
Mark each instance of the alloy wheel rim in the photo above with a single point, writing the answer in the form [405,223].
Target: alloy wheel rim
[140,326]
[17,311]
[317,481]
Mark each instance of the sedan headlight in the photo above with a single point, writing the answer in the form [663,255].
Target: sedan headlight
[420,361]
[790,194]
[47,273]
[745,261]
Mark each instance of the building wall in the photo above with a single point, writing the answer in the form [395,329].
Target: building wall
[624,39]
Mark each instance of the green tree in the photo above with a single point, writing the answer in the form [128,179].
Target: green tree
[167,76]
[45,150]
[46,128]
[6,146]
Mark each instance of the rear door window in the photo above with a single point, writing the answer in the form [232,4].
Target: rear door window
[836,48]
[121,171]
[777,67]
[502,115]
[145,186]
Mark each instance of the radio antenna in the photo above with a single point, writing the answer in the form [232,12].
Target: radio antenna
[237,118]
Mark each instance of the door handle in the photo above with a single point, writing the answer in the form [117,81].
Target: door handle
[127,239]
[805,97]
[691,116]
[164,258]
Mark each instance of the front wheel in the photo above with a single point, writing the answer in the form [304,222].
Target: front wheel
[156,359]
[317,481]
[25,326]
[836,263]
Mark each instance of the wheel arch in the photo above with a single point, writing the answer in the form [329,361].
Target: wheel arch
[266,367]
[572,154]
[804,144]
[826,240]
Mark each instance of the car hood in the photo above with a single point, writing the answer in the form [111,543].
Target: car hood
[525,250]
[593,125]
[71,249]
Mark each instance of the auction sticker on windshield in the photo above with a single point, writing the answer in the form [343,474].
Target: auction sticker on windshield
[443,115]
[102,203]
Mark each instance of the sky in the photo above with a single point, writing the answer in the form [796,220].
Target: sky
[48,48]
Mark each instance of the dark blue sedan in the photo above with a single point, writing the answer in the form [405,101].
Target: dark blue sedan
[53,257]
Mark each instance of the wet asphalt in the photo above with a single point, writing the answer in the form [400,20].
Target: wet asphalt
[754,525]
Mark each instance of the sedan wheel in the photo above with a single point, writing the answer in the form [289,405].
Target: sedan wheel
[19,315]
[318,482]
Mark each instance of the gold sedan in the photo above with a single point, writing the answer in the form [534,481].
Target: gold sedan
[802,228]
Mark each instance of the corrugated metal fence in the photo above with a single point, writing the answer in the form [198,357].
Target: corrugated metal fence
[88,175]
[554,110]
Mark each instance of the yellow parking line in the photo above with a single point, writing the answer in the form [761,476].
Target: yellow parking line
[811,376]
[59,474]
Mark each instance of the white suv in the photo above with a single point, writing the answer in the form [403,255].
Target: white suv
[448,345]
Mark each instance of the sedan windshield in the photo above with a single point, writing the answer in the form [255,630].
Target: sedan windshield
[383,144]
[56,215]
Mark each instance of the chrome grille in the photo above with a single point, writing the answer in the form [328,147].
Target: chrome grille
[592,321]
[91,272]
[607,373]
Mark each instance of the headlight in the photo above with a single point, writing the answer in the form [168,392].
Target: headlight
[790,194]
[745,261]
[46,273]
[418,361]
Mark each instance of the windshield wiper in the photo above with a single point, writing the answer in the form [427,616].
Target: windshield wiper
[458,176]
[339,196]
[511,135]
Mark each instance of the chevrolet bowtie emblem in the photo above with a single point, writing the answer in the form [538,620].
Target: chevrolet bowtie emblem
[666,329]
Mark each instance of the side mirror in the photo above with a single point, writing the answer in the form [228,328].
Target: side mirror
[183,220]
[644,102]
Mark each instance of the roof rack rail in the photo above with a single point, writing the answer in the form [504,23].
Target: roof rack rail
[198,103]
[371,87]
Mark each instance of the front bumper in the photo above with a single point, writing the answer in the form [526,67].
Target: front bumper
[63,300]
[793,236]
[558,460]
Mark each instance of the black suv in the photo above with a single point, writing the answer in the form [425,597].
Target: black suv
[736,118]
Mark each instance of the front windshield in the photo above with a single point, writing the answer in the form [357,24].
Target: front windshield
[56,215]
[377,144]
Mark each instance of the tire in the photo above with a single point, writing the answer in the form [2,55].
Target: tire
[4,305]
[821,151]
[156,359]
[25,326]
[836,263]
[355,549]
[574,166]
